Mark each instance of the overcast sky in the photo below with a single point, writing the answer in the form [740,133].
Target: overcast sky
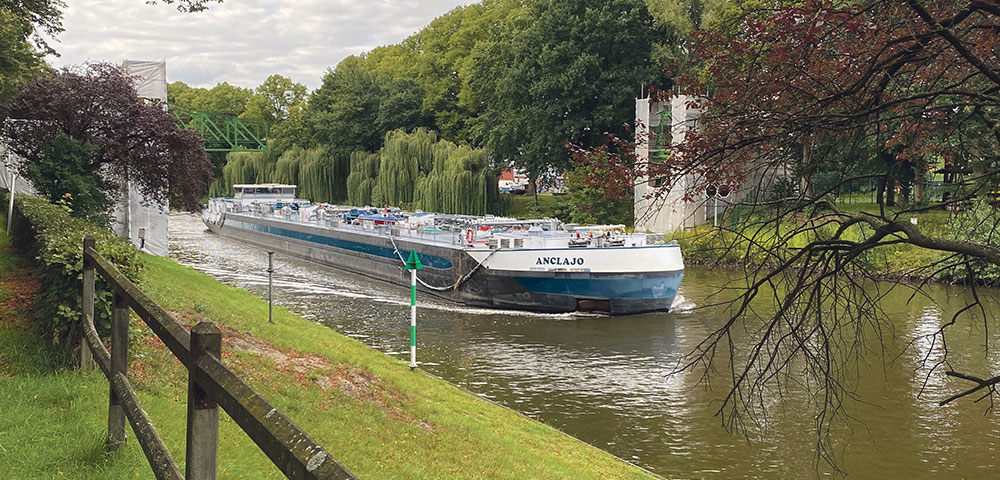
[240,41]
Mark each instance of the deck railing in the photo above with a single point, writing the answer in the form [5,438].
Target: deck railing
[210,385]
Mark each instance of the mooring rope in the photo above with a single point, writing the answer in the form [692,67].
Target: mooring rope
[441,289]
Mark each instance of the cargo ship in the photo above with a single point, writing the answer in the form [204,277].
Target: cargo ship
[484,261]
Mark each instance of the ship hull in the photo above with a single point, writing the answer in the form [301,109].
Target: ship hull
[507,279]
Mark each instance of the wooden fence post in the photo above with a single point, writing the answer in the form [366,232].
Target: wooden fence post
[202,411]
[119,363]
[86,357]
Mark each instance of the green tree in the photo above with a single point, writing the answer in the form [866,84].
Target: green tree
[61,175]
[404,157]
[568,76]
[356,107]
[362,178]
[222,99]
[20,61]
[273,100]
[583,203]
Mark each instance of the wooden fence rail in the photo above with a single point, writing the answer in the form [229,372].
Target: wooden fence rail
[210,385]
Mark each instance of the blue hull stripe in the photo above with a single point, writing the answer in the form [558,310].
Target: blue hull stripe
[627,288]
[386,252]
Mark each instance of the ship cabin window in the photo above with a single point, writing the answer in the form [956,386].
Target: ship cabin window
[264,191]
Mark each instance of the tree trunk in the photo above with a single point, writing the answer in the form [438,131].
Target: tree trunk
[919,177]
[532,187]
[806,170]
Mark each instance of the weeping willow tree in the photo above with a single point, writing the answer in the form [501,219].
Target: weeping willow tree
[417,170]
[320,175]
[323,175]
[460,181]
[362,179]
[286,169]
[243,167]
[403,158]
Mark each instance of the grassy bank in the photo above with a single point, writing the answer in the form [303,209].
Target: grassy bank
[708,245]
[369,410]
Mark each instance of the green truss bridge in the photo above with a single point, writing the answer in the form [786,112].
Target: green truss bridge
[223,133]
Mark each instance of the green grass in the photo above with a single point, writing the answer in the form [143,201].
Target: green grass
[705,244]
[383,421]
[406,425]
[524,206]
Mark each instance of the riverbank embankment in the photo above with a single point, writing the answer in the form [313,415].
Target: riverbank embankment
[374,414]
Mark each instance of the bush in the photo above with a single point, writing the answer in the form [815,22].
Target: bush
[47,232]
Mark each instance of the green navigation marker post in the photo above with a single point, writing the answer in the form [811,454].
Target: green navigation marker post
[413,264]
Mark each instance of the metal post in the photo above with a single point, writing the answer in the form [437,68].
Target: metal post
[413,318]
[10,208]
[270,287]
[202,411]
[119,364]
[715,216]
[86,357]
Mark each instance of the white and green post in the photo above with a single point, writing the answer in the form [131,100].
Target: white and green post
[413,264]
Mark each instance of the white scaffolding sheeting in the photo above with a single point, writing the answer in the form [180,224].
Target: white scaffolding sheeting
[150,78]
[20,185]
[145,225]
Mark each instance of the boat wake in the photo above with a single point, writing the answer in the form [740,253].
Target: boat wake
[682,305]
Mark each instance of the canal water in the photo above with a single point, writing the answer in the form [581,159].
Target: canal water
[606,380]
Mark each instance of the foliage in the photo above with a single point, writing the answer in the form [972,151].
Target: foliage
[320,175]
[243,167]
[48,233]
[274,99]
[133,142]
[404,157]
[563,78]
[459,182]
[223,98]
[33,18]
[587,204]
[362,179]
[980,224]
[59,175]
[188,6]
[357,106]
[20,62]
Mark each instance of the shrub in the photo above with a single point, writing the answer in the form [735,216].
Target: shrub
[47,232]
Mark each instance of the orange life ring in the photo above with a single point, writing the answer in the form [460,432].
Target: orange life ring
[469,235]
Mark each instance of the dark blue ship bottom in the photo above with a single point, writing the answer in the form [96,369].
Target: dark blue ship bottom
[619,294]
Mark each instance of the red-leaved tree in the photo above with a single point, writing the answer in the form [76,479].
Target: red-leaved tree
[879,91]
[133,142]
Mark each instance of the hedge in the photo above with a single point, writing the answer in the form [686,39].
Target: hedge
[55,239]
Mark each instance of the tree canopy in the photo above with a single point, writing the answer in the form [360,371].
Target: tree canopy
[132,142]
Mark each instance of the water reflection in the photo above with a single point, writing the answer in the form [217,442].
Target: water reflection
[607,380]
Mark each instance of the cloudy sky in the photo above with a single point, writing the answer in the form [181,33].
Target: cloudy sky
[240,41]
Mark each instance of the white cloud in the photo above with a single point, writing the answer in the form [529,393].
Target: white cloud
[240,41]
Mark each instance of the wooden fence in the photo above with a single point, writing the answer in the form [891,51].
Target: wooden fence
[210,385]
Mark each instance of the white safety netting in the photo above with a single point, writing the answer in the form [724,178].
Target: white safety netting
[142,222]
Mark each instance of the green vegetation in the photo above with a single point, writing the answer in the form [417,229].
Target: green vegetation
[524,206]
[47,232]
[730,244]
[60,175]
